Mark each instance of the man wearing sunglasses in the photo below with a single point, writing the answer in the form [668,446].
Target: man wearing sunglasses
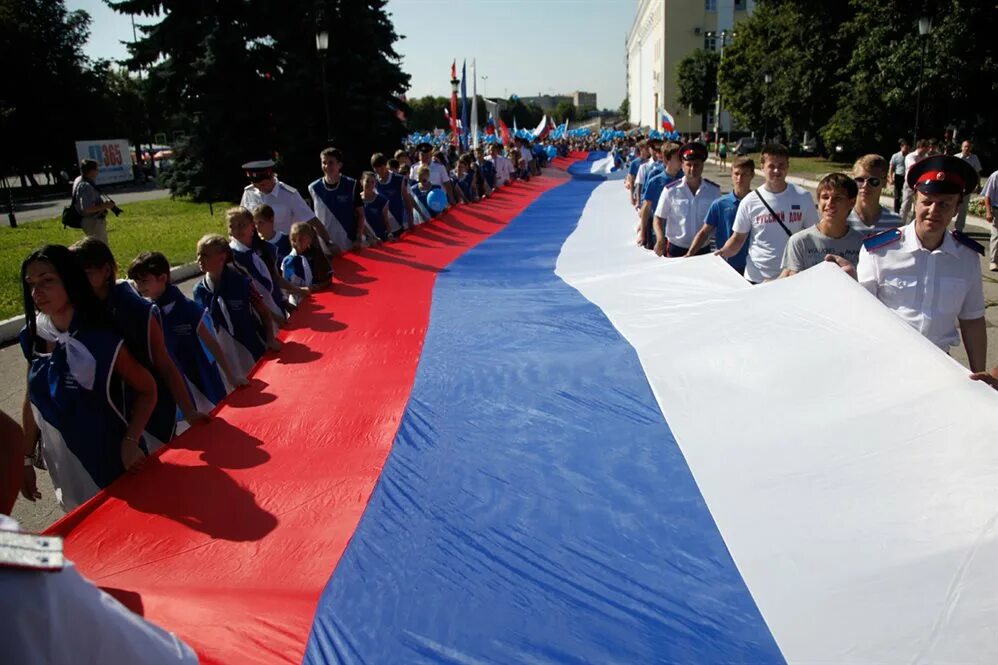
[868,216]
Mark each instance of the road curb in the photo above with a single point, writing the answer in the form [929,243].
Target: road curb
[11,328]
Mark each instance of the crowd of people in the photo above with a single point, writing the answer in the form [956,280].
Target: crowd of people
[118,367]
[907,258]
[168,360]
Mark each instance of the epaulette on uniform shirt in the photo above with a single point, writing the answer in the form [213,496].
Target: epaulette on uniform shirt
[967,241]
[674,183]
[288,188]
[882,239]
[711,182]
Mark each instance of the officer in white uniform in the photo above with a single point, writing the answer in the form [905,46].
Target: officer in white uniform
[51,615]
[289,206]
[682,207]
[930,277]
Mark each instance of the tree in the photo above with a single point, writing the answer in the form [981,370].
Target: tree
[625,108]
[252,83]
[801,44]
[564,111]
[696,80]
[876,106]
[48,89]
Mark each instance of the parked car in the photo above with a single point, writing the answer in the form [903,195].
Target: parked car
[746,144]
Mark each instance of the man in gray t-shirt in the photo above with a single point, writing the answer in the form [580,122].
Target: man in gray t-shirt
[89,202]
[832,235]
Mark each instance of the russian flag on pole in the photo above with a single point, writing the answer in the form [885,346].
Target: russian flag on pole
[666,123]
[546,444]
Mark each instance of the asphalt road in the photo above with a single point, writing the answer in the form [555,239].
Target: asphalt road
[38,515]
[46,209]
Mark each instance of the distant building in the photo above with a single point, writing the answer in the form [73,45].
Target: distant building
[663,33]
[581,99]
[550,102]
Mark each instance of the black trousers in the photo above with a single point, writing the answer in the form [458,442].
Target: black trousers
[672,251]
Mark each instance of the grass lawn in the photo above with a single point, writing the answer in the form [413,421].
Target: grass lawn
[169,226]
[813,168]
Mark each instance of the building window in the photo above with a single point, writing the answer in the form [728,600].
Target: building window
[710,5]
[709,41]
[710,118]
[740,5]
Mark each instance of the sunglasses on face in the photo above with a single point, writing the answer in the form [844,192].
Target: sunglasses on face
[872,180]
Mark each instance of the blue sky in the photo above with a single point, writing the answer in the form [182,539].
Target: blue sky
[523,46]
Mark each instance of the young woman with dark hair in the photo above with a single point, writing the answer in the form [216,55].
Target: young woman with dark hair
[74,358]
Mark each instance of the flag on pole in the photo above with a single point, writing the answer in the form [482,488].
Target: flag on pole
[541,129]
[464,105]
[504,131]
[493,110]
[667,122]
[474,105]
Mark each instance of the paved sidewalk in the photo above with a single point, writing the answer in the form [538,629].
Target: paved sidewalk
[31,211]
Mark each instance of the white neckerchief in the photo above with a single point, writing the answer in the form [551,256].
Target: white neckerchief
[258,263]
[306,269]
[82,364]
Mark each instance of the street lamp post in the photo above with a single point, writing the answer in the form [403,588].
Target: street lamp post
[924,29]
[768,78]
[717,84]
[321,47]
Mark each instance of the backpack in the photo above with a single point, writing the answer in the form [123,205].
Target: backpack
[71,217]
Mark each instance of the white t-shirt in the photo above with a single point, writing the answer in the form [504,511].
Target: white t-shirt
[438,173]
[796,209]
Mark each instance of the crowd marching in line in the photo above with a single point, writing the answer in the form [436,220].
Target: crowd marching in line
[118,367]
[907,258]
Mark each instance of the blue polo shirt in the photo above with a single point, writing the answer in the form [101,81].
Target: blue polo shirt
[721,215]
[656,183]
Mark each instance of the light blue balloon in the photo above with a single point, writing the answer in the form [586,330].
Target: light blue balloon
[437,200]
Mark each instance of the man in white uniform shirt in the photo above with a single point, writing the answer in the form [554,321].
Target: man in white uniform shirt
[682,207]
[770,214]
[288,205]
[928,277]
[438,172]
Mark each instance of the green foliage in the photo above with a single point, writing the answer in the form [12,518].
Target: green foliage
[252,82]
[46,83]
[852,75]
[801,45]
[565,111]
[527,116]
[876,102]
[169,226]
[625,108]
[696,79]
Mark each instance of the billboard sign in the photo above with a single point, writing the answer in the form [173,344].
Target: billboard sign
[112,155]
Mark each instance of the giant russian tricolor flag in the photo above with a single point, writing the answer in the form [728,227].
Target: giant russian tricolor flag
[516,437]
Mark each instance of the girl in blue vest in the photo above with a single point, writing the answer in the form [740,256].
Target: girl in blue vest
[189,335]
[395,188]
[466,191]
[257,259]
[139,322]
[243,322]
[74,357]
[422,212]
[376,211]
